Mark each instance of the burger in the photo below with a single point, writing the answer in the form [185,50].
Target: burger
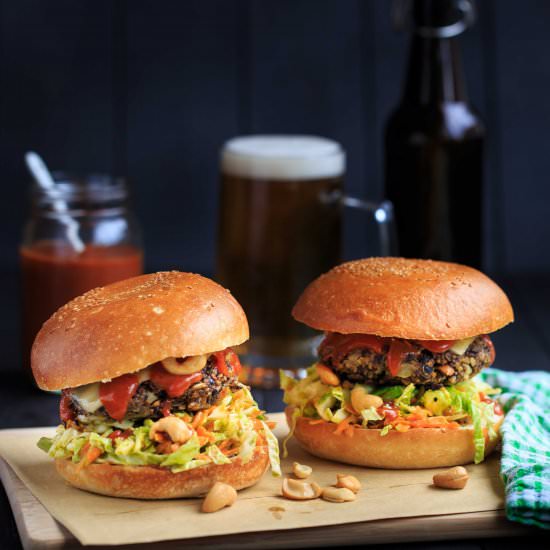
[151,403]
[397,383]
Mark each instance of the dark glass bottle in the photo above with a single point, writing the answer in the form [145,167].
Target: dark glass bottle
[434,145]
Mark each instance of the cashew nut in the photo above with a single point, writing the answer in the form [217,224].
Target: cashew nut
[361,400]
[454,478]
[189,365]
[348,482]
[219,496]
[327,376]
[338,494]
[301,470]
[300,490]
[176,429]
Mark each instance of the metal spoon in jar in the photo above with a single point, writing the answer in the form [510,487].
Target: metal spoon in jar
[40,173]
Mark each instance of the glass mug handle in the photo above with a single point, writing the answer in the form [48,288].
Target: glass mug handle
[384,218]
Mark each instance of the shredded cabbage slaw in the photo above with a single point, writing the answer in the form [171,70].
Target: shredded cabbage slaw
[405,407]
[231,429]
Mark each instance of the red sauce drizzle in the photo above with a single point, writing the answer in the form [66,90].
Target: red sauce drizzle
[173,384]
[396,354]
[221,365]
[234,361]
[342,344]
[116,394]
[166,407]
[228,356]
[65,410]
[492,351]
[436,346]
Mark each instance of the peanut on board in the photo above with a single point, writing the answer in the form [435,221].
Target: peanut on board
[295,489]
[301,470]
[219,496]
[338,494]
[348,482]
[454,478]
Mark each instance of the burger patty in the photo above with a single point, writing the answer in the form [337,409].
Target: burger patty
[149,401]
[423,367]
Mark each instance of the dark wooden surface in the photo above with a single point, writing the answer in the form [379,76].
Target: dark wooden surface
[151,90]
[523,345]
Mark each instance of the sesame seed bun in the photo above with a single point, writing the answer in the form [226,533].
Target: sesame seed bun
[404,298]
[151,482]
[126,326]
[415,449]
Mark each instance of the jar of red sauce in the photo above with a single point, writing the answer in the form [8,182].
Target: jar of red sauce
[52,270]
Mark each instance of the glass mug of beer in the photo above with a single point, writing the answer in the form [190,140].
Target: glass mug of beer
[280,227]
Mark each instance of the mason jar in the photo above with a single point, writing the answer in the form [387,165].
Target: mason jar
[78,236]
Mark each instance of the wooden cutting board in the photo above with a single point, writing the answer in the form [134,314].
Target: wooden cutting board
[38,529]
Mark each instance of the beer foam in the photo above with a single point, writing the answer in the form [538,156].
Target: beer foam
[283,157]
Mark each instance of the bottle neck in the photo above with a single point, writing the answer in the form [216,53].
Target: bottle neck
[434,73]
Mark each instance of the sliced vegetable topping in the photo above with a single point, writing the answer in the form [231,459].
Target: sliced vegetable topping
[404,408]
[233,427]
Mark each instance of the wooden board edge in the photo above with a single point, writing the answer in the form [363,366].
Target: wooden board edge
[25,507]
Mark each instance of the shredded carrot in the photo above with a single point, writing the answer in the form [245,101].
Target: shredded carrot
[224,444]
[89,454]
[400,427]
[229,452]
[343,425]
[428,423]
[271,424]
[209,410]
[314,422]
[209,436]
[239,394]
[258,425]
[199,417]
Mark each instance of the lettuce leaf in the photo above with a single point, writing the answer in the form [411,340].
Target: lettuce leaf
[232,418]
[314,399]
[45,443]
[370,414]
[184,454]
[389,393]
[273,451]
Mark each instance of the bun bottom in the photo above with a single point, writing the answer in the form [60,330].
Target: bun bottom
[418,448]
[150,482]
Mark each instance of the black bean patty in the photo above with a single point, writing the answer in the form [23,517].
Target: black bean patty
[423,367]
[149,400]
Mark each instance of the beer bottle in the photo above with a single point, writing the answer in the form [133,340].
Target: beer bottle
[434,143]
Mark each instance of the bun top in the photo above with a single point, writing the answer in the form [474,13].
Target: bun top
[125,326]
[404,298]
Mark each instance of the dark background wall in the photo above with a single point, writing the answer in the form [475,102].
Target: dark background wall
[151,89]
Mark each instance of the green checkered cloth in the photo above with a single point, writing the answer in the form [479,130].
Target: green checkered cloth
[525,463]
